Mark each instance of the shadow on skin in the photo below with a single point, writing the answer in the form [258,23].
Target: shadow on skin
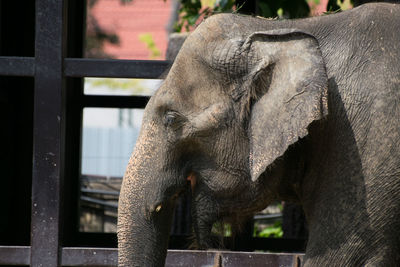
[336,208]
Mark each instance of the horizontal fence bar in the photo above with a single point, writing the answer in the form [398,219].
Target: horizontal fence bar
[99,202]
[17,66]
[15,255]
[230,259]
[99,178]
[72,256]
[99,192]
[115,68]
[115,101]
[84,67]
[78,256]
[268,216]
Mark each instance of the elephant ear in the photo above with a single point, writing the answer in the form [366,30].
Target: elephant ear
[289,92]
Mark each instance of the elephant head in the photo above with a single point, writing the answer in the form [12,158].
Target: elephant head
[231,105]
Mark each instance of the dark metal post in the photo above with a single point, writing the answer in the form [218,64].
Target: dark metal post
[48,133]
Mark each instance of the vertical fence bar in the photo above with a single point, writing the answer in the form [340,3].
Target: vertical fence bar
[48,131]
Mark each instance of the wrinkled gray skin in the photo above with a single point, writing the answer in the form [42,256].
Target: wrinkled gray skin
[256,110]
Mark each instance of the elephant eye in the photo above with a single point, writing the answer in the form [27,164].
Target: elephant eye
[170,118]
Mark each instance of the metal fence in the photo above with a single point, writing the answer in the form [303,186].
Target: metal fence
[57,69]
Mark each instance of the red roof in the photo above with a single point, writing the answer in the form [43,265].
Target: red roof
[130,20]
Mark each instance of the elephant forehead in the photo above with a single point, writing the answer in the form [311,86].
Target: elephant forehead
[191,99]
[190,89]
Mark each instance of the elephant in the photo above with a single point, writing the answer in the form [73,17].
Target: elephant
[255,110]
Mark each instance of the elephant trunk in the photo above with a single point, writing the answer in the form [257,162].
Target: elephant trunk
[145,206]
[142,241]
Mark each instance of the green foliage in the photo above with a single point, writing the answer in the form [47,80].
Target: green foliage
[147,38]
[222,229]
[339,5]
[274,230]
[135,86]
[191,10]
[344,4]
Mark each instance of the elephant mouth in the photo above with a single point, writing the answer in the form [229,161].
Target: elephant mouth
[191,177]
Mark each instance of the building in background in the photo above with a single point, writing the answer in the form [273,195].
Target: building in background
[119,29]
[130,21]
[136,29]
